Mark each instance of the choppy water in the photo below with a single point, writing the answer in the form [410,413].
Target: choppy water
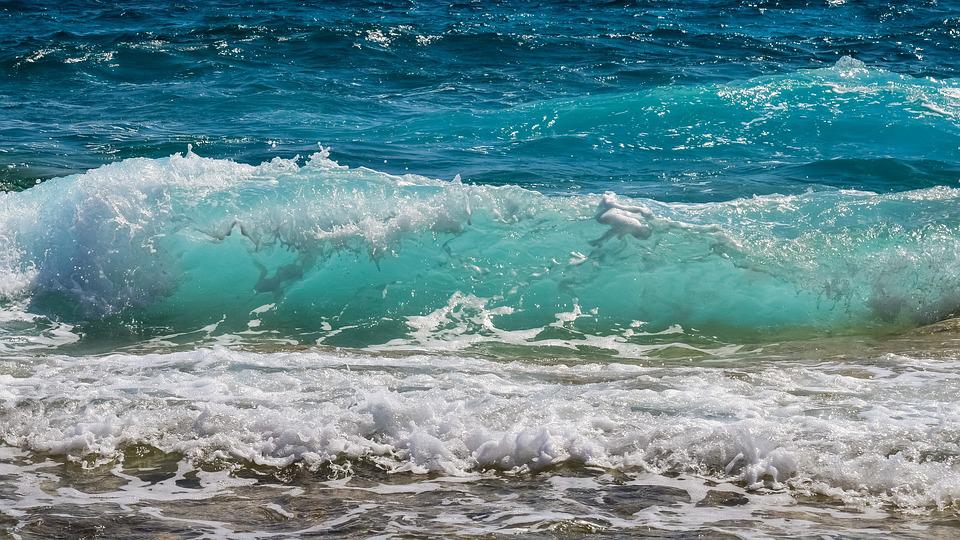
[622,268]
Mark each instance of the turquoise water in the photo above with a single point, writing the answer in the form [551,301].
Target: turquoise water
[321,252]
[478,268]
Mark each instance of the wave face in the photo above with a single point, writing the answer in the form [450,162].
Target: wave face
[359,257]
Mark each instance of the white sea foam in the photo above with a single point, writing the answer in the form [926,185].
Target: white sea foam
[878,433]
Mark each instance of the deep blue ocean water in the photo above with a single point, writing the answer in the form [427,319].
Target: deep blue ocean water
[470,88]
[681,269]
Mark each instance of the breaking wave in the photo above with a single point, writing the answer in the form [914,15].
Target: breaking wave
[316,249]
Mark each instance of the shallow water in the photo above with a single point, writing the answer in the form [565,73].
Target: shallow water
[623,269]
[799,439]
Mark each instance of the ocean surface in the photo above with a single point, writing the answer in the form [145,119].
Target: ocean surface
[434,269]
